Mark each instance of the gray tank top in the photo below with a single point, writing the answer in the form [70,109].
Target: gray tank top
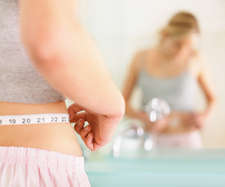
[19,80]
[179,92]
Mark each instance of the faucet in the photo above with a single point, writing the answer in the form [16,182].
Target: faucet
[134,131]
[156,110]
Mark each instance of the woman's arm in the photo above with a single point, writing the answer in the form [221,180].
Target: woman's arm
[205,81]
[66,55]
[129,85]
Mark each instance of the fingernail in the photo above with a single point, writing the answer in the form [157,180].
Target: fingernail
[86,128]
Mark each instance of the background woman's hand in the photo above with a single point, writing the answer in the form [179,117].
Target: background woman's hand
[100,128]
[197,120]
[157,126]
[160,125]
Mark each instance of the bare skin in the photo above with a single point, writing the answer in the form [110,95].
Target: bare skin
[165,61]
[55,136]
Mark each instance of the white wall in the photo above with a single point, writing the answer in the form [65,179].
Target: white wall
[121,27]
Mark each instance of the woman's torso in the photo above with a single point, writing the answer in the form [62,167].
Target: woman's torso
[54,136]
[20,85]
[177,84]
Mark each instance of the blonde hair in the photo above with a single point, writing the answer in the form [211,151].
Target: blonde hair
[182,23]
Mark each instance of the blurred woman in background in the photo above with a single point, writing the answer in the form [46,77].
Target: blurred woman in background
[171,71]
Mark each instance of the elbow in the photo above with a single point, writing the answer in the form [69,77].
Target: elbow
[122,108]
[127,108]
[119,110]
[212,99]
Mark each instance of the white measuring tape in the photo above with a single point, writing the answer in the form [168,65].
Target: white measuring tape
[33,119]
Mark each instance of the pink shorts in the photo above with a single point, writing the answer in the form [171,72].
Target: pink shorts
[180,140]
[31,167]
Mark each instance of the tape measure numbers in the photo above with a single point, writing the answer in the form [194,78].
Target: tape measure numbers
[34,119]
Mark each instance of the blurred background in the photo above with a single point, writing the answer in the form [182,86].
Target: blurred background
[120,28]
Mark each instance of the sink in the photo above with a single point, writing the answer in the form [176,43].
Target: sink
[159,168]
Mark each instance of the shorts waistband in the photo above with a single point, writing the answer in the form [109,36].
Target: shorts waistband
[41,157]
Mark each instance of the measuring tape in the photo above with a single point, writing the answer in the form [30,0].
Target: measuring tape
[34,119]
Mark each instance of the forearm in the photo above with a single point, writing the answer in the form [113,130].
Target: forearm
[210,109]
[138,114]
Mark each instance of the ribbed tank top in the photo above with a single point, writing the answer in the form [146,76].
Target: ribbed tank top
[20,82]
[179,91]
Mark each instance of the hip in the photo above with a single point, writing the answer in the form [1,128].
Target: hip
[22,166]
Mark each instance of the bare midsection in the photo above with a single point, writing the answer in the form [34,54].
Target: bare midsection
[51,136]
[180,128]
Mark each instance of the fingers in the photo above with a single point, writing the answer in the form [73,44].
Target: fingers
[160,125]
[89,141]
[73,109]
[76,117]
[97,146]
[85,133]
[155,127]
[78,126]
[195,122]
[92,144]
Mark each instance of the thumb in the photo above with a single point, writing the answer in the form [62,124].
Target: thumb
[73,109]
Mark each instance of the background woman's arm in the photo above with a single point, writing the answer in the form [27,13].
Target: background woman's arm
[129,85]
[205,81]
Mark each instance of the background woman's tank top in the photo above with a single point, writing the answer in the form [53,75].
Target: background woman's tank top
[179,91]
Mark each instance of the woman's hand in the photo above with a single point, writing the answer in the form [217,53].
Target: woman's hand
[100,128]
[160,125]
[197,120]
[157,126]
